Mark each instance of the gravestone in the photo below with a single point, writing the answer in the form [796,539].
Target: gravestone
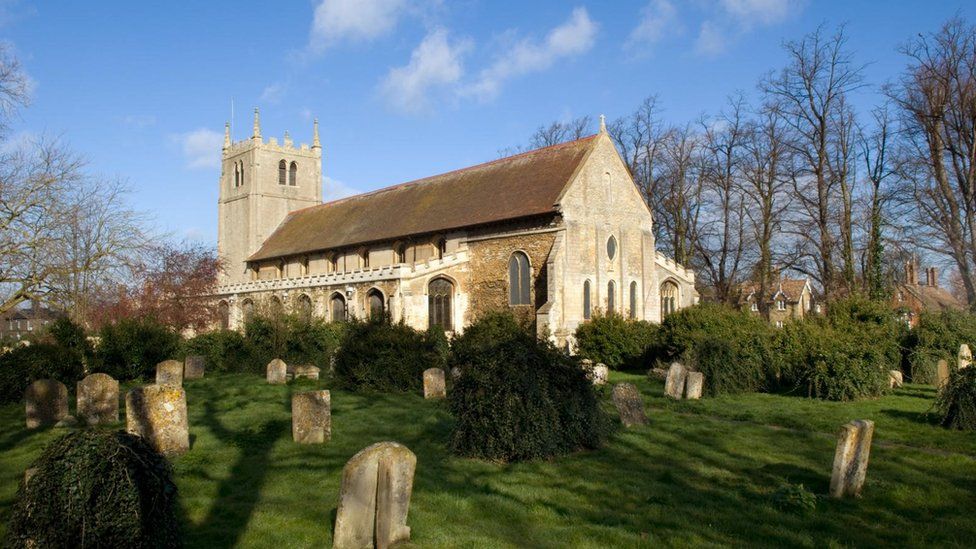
[375,497]
[941,374]
[169,372]
[694,383]
[277,372]
[674,384]
[629,404]
[965,357]
[98,399]
[895,379]
[311,417]
[434,386]
[851,459]
[157,413]
[194,366]
[46,403]
[455,373]
[306,371]
[600,374]
[659,373]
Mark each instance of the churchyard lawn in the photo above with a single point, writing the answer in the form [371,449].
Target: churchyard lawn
[701,473]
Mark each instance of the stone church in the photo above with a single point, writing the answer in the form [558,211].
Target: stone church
[557,235]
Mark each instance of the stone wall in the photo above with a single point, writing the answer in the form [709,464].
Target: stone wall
[489,286]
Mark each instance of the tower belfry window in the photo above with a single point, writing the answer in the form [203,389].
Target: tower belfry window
[282,169]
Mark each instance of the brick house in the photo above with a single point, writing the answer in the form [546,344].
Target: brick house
[790,299]
[17,324]
[911,297]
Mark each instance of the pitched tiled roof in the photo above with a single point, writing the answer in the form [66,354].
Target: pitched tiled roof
[792,288]
[933,298]
[515,187]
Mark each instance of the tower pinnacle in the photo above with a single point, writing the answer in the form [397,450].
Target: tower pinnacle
[257,125]
[315,135]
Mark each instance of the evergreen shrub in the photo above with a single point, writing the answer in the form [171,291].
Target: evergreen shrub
[379,355]
[956,404]
[132,347]
[619,343]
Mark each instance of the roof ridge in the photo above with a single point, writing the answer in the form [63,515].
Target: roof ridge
[466,168]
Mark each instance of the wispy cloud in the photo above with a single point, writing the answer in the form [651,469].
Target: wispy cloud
[139,120]
[761,12]
[273,93]
[435,65]
[201,147]
[352,20]
[334,189]
[658,19]
[574,37]
[711,40]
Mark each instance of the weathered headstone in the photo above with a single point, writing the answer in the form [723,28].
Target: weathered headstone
[674,384]
[194,367]
[98,399]
[374,498]
[455,373]
[851,459]
[311,417]
[306,371]
[694,383]
[600,374]
[629,404]
[434,386]
[46,403]
[277,372]
[895,379]
[659,373]
[941,374]
[965,357]
[157,413]
[169,372]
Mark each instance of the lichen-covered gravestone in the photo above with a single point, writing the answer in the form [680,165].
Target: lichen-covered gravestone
[277,372]
[98,399]
[674,384]
[311,417]
[374,498]
[46,403]
[194,367]
[629,404]
[306,371]
[157,413]
[895,379]
[600,374]
[169,372]
[851,459]
[694,383]
[434,386]
[941,374]
[965,357]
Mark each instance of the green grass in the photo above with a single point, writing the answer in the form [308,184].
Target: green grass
[701,473]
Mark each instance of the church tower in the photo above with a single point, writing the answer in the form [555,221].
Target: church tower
[260,183]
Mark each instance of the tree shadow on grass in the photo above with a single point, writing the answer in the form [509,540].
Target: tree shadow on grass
[924,418]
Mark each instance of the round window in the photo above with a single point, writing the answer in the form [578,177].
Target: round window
[611,247]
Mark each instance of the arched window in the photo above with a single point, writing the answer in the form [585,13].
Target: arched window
[440,295]
[375,301]
[282,171]
[338,307]
[633,300]
[334,263]
[237,175]
[276,307]
[293,174]
[611,248]
[247,308]
[611,297]
[669,298]
[519,279]
[304,307]
[242,173]
[587,308]
[223,314]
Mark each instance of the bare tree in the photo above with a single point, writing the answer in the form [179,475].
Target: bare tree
[878,154]
[14,87]
[676,201]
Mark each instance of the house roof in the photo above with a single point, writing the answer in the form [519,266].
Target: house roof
[519,186]
[932,298]
[791,288]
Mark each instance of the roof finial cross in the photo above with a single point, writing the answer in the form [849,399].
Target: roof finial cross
[603,124]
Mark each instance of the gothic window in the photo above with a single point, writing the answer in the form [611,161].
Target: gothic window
[242,173]
[277,308]
[338,306]
[611,297]
[587,308]
[237,175]
[519,279]
[247,307]
[611,248]
[282,169]
[375,301]
[223,313]
[633,300]
[293,174]
[304,307]
[669,298]
[440,295]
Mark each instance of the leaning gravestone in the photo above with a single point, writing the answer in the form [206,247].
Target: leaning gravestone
[169,372]
[194,366]
[941,374]
[674,384]
[277,372]
[157,413]
[965,357]
[311,417]
[98,399]
[375,497]
[46,403]
[895,379]
[694,383]
[851,459]
[629,404]
[434,386]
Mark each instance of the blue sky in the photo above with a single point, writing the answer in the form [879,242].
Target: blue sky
[402,88]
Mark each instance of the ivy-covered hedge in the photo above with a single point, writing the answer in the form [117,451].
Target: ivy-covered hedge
[956,404]
[379,355]
[294,339]
[132,347]
[619,343]
[937,337]
[60,352]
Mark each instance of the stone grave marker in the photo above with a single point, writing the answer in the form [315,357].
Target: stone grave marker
[157,413]
[311,417]
[306,371]
[895,379]
[851,459]
[277,372]
[941,374]
[98,399]
[629,404]
[434,385]
[694,383]
[194,366]
[374,497]
[169,372]
[674,384]
[46,402]
[965,357]
[600,374]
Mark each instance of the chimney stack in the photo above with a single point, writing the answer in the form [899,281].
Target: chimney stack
[911,277]
[933,277]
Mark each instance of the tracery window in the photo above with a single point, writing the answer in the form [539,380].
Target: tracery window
[440,297]
[519,280]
